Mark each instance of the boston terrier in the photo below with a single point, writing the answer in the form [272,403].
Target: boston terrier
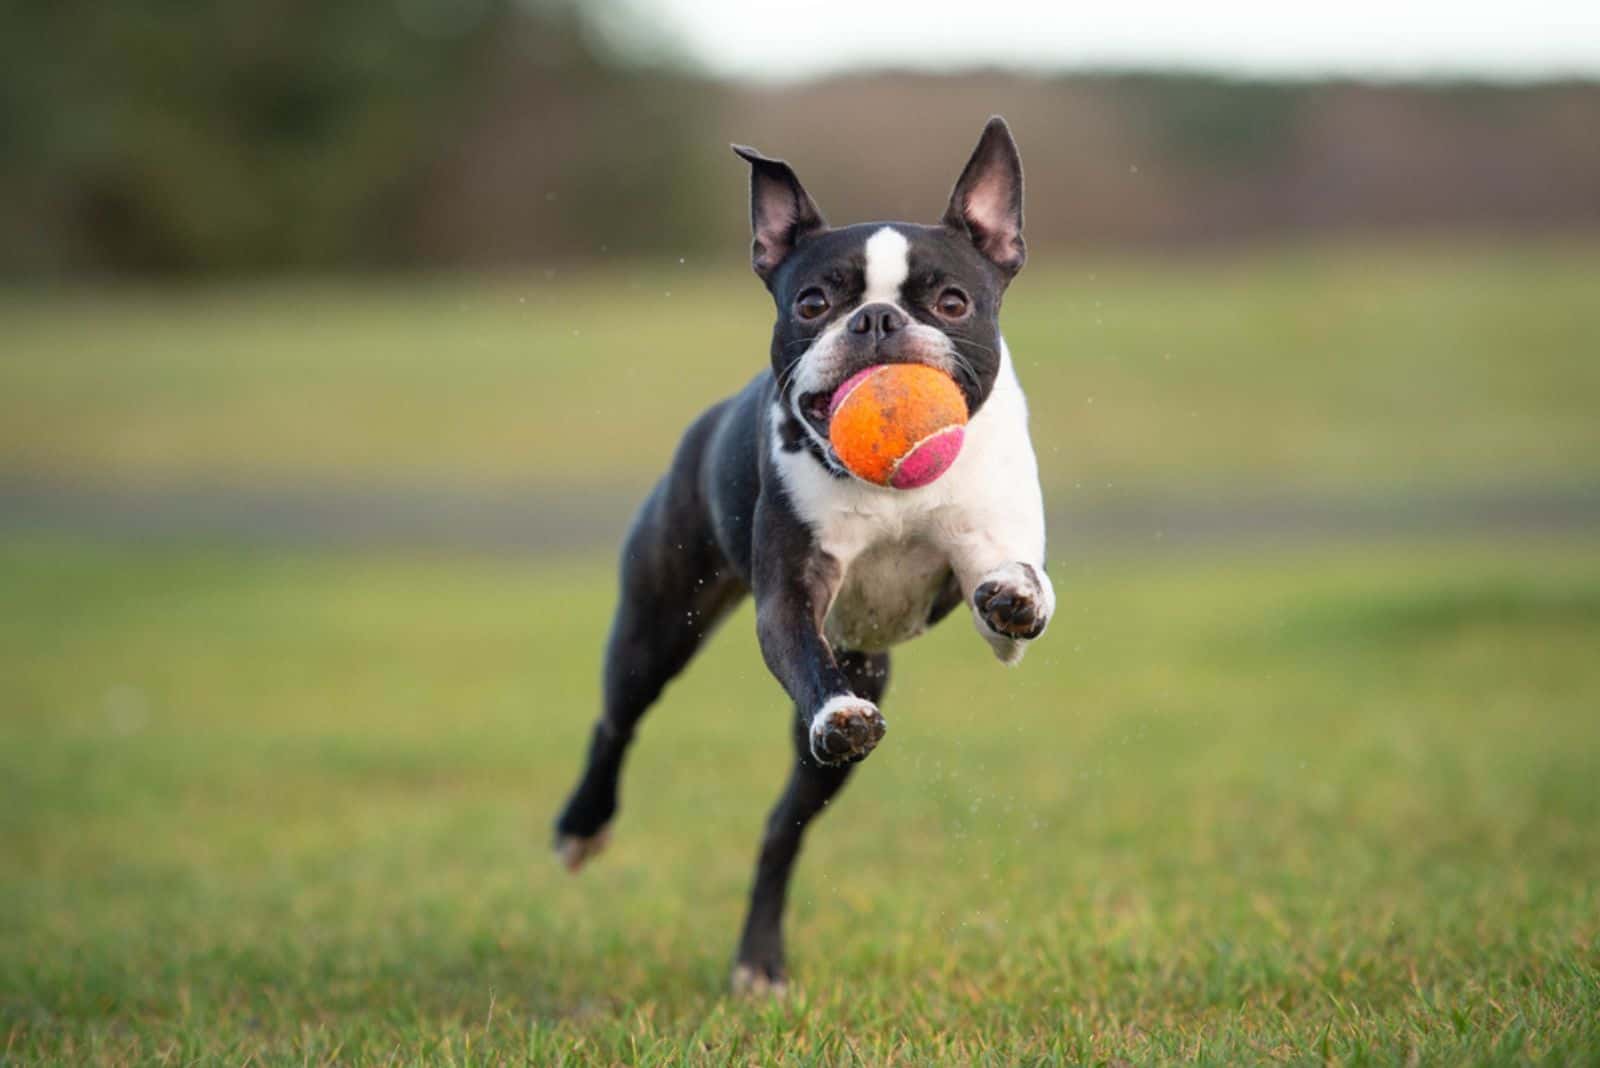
[756,502]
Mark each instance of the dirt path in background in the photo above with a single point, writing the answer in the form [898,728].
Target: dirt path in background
[542,521]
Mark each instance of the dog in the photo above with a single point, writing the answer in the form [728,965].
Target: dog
[756,502]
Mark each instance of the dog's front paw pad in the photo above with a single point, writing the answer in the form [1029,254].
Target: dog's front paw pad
[1012,606]
[846,729]
[758,981]
[574,851]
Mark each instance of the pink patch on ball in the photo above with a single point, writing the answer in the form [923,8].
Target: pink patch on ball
[931,458]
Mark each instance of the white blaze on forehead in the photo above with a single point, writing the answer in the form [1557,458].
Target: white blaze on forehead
[887,266]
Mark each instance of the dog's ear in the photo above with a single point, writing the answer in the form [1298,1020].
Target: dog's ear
[986,204]
[781,212]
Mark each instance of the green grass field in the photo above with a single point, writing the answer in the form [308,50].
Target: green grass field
[1346,369]
[1339,806]
[1331,803]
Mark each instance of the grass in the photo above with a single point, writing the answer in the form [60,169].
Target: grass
[1358,368]
[1337,806]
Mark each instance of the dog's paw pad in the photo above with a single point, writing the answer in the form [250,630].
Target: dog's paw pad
[1013,603]
[574,851]
[847,728]
[758,981]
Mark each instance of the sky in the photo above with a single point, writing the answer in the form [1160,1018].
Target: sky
[768,41]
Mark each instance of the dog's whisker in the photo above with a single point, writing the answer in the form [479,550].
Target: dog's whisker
[971,341]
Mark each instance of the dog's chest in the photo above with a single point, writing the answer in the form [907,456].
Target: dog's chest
[888,589]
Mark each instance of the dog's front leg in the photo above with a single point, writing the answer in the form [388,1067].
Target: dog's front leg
[1000,565]
[794,584]
[838,721]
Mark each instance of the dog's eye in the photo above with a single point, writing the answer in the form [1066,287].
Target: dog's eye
[952,304]
[811,304]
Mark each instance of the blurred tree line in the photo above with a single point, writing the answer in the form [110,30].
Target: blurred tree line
[164,138]
[145,135]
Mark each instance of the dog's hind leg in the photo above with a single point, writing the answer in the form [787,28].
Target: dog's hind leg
[759,967]
[676,585]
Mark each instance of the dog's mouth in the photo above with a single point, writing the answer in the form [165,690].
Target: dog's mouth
[817,408]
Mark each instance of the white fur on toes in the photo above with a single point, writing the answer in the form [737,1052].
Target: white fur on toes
[1021,582]
[846,727]
[750,982]
[574,852]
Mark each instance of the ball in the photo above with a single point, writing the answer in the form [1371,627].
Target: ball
[899,425]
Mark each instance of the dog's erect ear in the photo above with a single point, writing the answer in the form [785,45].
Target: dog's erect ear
[987,201]
[781,212]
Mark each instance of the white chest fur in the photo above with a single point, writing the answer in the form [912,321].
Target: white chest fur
[895,547]
[886,595]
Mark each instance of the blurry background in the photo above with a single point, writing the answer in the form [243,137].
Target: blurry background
[425,245]
[339,340]
[481,133]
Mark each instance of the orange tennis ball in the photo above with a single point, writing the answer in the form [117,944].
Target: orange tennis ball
[898,424]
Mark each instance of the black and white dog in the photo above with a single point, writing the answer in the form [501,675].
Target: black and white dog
[756,502]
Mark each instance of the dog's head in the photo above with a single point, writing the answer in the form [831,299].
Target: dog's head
[855,296]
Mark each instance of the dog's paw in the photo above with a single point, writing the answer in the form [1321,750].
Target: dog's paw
[1013,604]
[846,728]
[759,981]
[575,850]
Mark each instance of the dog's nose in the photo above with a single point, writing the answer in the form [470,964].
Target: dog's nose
[880,320]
